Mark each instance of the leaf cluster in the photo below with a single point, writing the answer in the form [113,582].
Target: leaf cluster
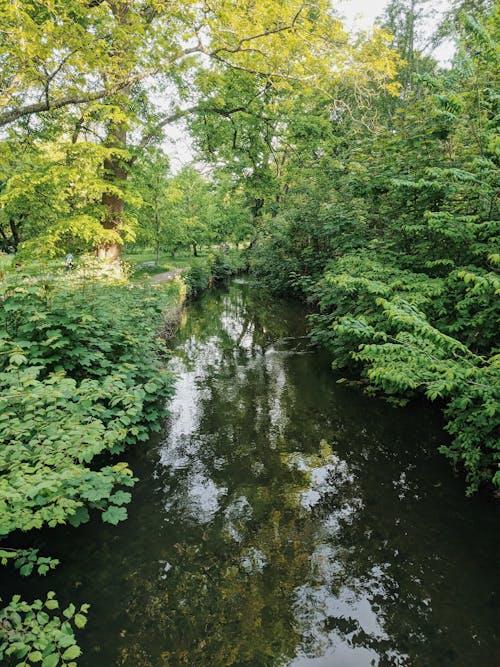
[393,237]
[34,634]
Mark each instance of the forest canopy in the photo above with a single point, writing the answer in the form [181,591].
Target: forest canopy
[86,88]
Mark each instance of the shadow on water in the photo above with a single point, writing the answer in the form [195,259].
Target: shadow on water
[283,519]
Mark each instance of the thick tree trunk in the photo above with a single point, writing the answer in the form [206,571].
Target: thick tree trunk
[195,249]
[15,227]
[114,168]
[116,173]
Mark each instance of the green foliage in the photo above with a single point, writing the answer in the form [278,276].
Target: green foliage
[207,271]
[28,561]
[273,259]
[402,353]
[81,374]
[393,234]
[34,633]
[198,277]
[51,196]
[227,263]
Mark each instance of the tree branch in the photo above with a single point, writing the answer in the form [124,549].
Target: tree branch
[82,97]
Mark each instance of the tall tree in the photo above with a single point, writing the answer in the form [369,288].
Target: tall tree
[114,59]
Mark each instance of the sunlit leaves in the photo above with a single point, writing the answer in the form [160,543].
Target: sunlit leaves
[393,237]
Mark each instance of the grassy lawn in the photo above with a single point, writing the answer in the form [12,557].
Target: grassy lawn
[134,258]
[31,267]
[166,261]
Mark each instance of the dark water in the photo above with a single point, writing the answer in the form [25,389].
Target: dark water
[284,519]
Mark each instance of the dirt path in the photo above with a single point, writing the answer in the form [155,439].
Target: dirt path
[168,275]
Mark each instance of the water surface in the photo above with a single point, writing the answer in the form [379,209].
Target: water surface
[284,519]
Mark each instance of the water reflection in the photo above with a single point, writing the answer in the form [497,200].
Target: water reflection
[283,519]
[292,548]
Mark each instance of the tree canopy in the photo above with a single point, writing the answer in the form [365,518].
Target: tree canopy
[100,80]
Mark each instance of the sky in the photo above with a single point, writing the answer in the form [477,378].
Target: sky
[364,12]
[359,14]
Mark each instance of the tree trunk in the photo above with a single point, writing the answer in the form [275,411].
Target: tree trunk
[157,232]
[115,173]
[195,249]
[115,169]
[14,228]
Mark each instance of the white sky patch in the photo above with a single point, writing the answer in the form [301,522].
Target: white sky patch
[360,13]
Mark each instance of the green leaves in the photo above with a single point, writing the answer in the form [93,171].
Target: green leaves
[39,637]
[51,660]
[72,652]
[27,561]
[114,514]
[80,375]
[80,620]
[382,318]
[55,422]
[392,236]
[120,498]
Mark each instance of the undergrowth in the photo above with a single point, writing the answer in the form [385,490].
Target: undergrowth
[82,373]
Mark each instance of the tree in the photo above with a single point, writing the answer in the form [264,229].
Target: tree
[190,206]
[393,235]
[101,63]
[230,216]
[149,178]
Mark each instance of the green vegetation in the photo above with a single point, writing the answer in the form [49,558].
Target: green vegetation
[144,262]
[215,268]
[35,633]
[389,226]
[354,171]
[81,374]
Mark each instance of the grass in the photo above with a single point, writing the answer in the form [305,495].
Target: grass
[129,255]
[9,263]
[166,262]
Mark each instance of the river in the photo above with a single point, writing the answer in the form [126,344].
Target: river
[282,518]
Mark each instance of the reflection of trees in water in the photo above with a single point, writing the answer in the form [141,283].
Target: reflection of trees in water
[277,547]
[240,319]
[227,595]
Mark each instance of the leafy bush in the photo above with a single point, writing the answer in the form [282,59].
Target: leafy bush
[223,265]
[394,327]
[217,267]
[198,277]
[81,374]
[274,261]
[34,633]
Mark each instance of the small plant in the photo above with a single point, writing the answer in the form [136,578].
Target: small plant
[36,634]
[81,374]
